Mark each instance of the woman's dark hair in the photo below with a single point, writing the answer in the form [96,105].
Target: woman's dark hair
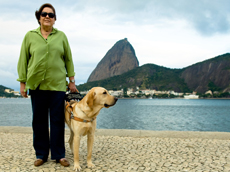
[38,13]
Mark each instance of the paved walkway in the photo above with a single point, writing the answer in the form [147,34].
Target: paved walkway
[125,150]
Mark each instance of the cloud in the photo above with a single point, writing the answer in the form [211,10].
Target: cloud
[169,33]
[207,17]
[8,79]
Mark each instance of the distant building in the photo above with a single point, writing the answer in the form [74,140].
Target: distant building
[116,93]
[208,92]
[146,92]
[194,92]
[9,90]
[84,92]
[129,92]
[16,93]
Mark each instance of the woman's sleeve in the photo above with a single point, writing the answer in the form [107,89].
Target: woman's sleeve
[23,60]
[68,58]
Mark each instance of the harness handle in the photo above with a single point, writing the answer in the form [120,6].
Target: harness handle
[73,96]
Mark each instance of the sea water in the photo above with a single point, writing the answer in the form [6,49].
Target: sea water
[140,114]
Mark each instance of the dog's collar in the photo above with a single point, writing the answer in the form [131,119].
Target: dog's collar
[71,115]
[79,119]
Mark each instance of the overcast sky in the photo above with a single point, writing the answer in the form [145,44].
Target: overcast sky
[169,33]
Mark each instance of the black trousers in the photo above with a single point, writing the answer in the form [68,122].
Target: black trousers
[48,106]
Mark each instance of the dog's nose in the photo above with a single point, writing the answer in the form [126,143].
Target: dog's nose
[115,98]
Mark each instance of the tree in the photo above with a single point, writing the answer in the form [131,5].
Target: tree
[213,87]
[125,92]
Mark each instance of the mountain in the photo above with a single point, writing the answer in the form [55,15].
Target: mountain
[147,76]
[212,74]
[118,60]
[2,88]
[4,94]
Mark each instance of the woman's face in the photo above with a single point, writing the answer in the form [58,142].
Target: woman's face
[47,21]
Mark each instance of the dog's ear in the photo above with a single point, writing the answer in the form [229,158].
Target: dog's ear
[90,99]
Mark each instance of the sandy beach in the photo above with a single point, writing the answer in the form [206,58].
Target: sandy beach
[125,150]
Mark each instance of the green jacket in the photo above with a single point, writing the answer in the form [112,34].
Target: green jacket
[45,62]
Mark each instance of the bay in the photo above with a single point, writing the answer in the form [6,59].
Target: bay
[140,114]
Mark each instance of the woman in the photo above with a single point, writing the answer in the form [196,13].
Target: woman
[45,61]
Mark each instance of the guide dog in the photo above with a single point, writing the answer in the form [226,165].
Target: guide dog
[81,120]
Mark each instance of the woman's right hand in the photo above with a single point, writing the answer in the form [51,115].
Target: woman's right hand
[22,88]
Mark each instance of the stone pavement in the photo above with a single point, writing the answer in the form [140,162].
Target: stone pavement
[125,150]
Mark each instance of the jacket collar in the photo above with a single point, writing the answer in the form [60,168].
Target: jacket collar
[38,30]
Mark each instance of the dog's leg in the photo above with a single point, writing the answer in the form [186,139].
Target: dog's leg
[90,141]
[71,140]
[76,146]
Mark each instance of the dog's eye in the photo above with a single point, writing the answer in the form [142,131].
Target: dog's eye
[104,92]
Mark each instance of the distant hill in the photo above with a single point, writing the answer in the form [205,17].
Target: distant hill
[4,94]
[211,74]
[118,60]
[2,88]
[147,76]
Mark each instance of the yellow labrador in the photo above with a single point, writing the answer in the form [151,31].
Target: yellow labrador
[83,120]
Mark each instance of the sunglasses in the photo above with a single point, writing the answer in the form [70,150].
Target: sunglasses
[44,14]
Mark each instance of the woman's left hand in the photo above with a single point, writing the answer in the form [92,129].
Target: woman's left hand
[72,87]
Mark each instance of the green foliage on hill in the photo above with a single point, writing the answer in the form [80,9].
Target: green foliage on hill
[151,76]
[2,88]
[4,94]
[148,76]
[219,58]
[213,87]
[216,59]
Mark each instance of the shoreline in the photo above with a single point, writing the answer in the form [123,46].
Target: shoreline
[135,133]
[224,98]
[181,98]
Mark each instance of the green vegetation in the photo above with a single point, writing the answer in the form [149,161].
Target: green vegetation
[221,95]
[149,76]
[215,95]
[4,94]
[213,87]
[154,77]
[224,57]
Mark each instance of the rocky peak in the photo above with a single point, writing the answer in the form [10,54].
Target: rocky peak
[119,59]
[215,70]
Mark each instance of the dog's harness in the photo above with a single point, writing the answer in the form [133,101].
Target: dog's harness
[71,115]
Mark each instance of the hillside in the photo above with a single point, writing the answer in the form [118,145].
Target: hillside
[4,94]
[147,76]
[211,74]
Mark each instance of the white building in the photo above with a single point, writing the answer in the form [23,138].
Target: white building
[9,90]
[208,92]
[116,93]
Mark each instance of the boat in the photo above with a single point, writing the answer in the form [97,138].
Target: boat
[191,96]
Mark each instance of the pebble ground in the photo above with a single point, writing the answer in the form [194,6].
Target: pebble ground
[123,154]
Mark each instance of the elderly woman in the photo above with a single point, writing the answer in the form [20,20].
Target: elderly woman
[44,63]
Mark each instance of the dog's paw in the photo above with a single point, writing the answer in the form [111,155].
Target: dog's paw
[77,167]
[90,165]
